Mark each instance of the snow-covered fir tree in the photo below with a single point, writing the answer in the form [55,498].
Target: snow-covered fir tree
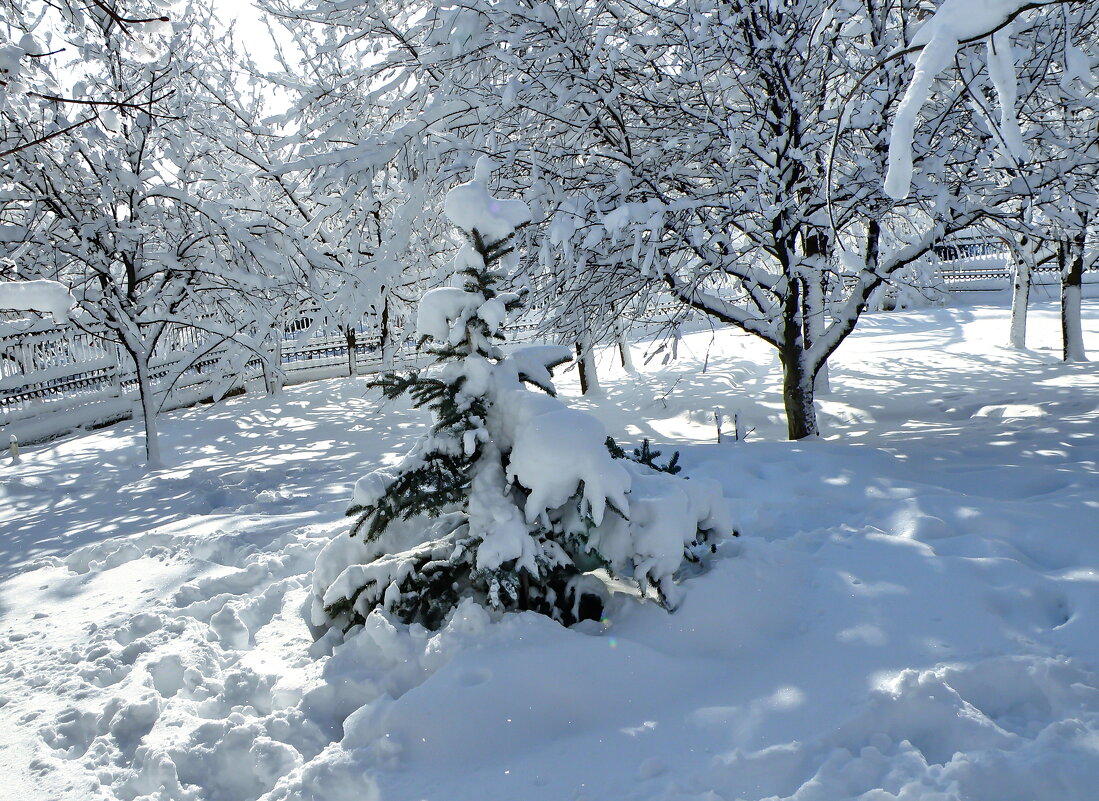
[512,497]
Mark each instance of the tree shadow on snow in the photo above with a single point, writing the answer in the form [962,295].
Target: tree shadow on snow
[248,454]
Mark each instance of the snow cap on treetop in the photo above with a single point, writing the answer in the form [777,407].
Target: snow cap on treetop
[470,207]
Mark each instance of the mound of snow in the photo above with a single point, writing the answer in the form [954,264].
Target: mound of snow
[44,297]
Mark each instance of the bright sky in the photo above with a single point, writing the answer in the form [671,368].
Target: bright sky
[245,20]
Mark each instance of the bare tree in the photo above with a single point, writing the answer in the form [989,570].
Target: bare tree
[730,154]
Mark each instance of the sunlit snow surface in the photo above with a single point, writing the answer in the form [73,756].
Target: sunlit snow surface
[911,613]
[46,297]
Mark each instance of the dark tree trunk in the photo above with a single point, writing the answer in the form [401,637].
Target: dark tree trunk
[582,366]
[352,363]
[386,339]
[1070,258]
[624,353]
[148,408]
[797,395]
[797,378]
[585,360]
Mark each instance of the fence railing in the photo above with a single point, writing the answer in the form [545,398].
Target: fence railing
[53,381]
[963,270]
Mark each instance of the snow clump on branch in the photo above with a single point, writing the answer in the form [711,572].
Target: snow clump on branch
[954,22]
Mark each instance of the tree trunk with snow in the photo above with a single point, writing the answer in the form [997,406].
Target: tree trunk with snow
[797,395]
[814,313]
[585,360]
[268,374]
[624,348]
[352,362]
[822,385]
[147,396]
[270,357]
[386,336]
[273,376]
[1024,258]
[116,374]
[1070,258]
[797,374]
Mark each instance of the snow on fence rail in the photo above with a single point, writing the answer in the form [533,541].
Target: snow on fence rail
[56,380]
[967,269]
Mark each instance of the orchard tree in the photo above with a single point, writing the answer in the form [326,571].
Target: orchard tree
[692,148]
[738,159]
[137,215]
[771,165]
[351,160]
[1040,116]
[389,112]
[1064,158]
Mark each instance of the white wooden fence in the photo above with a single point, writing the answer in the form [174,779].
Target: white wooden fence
[979,266]
[55,380]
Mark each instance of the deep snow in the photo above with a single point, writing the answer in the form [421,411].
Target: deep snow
[45,297]
[909,614]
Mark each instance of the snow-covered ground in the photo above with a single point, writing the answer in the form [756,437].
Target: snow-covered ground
[911,612]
